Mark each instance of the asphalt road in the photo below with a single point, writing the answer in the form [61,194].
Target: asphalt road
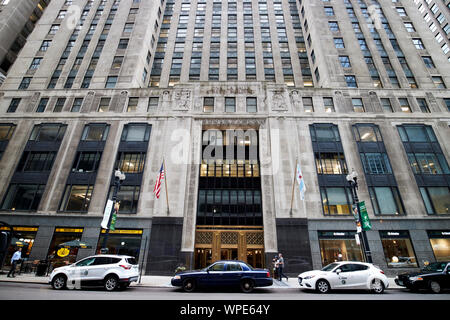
[29,291]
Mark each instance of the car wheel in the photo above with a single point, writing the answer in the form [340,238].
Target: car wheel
[59,282]
[435,287]
[377,286]
[322,286]
[111,283]
[247,286]
[189,285]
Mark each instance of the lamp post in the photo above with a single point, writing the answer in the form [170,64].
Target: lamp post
[352,179]
[119,177]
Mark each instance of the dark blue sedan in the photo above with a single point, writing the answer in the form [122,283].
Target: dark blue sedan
[224,273]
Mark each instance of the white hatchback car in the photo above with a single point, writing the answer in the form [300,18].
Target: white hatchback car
[109,271]
[345,275]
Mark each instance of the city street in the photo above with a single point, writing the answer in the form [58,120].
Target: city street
[31,291]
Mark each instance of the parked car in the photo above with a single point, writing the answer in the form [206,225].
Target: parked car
[433,277]
[224,273]
[109,271]
[345,275]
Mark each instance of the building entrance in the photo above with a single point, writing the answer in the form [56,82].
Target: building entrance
[213,243]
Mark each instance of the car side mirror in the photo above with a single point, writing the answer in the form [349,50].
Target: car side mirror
[338,271]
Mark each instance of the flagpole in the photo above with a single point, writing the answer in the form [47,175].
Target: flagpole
[165,183]
[293,187]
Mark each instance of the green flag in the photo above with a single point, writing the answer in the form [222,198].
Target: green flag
[365,222]
[112,226]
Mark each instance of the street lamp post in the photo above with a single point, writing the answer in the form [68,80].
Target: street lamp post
[352,180]
[118,179]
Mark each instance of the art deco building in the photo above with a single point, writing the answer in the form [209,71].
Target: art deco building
[230,96]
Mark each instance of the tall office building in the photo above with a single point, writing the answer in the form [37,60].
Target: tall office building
[229,98]
[17,21]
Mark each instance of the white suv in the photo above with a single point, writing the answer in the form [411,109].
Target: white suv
[109,271]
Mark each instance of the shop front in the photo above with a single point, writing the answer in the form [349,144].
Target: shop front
[398,249]
[440,242]
[122,241]
[58,257]
[23,238]
[339,246]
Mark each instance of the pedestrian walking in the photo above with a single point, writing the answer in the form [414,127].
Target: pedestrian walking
[15,258]
[280,268]
[275,267]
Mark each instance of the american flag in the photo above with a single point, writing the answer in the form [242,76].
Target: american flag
[159,178]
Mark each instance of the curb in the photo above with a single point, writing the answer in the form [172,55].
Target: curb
[147,285]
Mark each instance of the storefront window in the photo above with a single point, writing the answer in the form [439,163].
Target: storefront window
[121,241]
[440,242]
[23,238]
[339,246]
[398,249]
[62,235]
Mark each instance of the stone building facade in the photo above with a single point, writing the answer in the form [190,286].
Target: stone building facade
[135,84]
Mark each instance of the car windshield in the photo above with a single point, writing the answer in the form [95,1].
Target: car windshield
[435,266]
[330,267]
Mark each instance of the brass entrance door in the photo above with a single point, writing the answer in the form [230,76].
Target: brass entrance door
[213,243]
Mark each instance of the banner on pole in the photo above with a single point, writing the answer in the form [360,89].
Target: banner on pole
[365,221]
[106,214]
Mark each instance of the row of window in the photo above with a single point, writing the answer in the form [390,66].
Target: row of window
[425,158]
[230,104]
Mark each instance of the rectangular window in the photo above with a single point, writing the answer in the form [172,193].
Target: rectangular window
[76,198]
[398,249]
[436,199]
[86,161]
[386,200]
[386,105]
[95,132]
[132,104]
[328,104]
[153,103]
[330,163]
[440,242]
[345,61]
[129,197]
[136,132]
[13,105]
[42,105]
[338,246]
[35,63]
[351,81]
[208,104]
[25,83]
[35,161]
[308,105]
[230,105]
[23,197]
[423,105]
[111,82]
[104,105]
[358,105]
[59,105]
[251,105]
[404,105]
[336,200]
[339,43]
[428,62]
[76,106]
[428,163]
[131,162]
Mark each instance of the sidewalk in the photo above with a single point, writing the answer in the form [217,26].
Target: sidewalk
[158,281]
